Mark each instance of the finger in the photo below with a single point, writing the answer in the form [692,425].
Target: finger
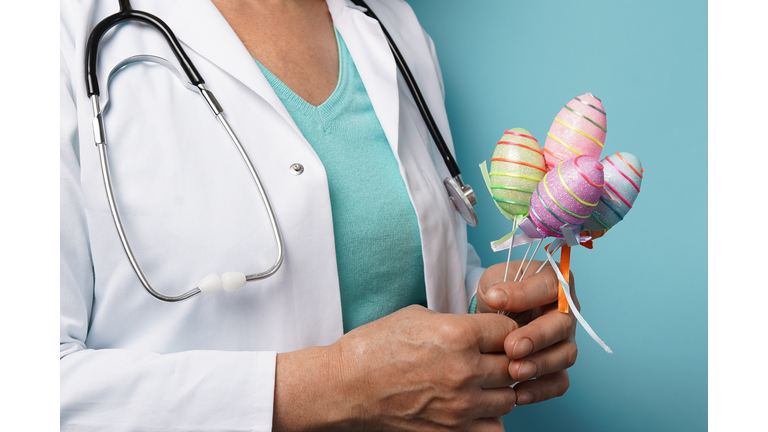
[487,425]
[494,371]
[533,291]
[546,330]
[491,330]
[548,361]
[496,402]
[488,295]
[544,388]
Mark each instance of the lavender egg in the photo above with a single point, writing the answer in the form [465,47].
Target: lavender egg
[623,176]
[567,195]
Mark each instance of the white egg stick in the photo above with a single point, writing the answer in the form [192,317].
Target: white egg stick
[557,243]
[511,245]
[530,260]
[519,268]
[517,275]
[509,256]
[506,270]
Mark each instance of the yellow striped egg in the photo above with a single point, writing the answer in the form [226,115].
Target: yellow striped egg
[517,166]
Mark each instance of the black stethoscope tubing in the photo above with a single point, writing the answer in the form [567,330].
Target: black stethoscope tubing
[127,13]
[461,195]
[450,162]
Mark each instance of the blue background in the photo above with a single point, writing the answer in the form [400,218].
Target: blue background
[643,288]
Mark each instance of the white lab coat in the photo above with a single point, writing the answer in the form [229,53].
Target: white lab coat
[131,362]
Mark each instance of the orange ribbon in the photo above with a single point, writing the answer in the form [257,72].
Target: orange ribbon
[565,270]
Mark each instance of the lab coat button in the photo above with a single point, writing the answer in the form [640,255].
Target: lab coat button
[297,169]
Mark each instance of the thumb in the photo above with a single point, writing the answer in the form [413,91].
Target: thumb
[491,331]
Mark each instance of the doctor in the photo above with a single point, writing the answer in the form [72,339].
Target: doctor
[293,77]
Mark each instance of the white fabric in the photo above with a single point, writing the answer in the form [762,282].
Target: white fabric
[131,362]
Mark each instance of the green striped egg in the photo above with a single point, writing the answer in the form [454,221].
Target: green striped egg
[517,166]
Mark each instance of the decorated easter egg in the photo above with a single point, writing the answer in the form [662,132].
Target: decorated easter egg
[579,129]
[567,195]
[623,176]
[517,166]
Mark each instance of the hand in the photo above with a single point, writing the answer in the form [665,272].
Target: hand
[545,344]
[413,370]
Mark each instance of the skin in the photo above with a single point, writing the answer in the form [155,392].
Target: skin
[293,39]
[419,370]
[416,369]
[545,344]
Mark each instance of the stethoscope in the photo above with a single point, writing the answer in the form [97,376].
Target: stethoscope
[462,196]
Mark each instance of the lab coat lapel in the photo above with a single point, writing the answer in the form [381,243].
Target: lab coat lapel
[202,28]
[375,64]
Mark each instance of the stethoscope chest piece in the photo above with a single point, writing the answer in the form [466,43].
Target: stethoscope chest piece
[463,198]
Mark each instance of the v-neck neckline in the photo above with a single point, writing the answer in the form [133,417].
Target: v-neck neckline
[330,108]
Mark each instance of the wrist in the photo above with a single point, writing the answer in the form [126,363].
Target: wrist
[310,393]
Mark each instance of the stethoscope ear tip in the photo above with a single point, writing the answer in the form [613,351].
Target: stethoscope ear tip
[210,284]
[230,281]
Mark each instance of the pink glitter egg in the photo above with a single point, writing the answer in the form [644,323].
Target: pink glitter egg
[567,195]
[579,129]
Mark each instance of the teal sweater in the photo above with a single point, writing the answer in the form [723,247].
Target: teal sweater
[378,246]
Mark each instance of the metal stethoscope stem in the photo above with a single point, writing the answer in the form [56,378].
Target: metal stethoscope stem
[208,96]
[100,138]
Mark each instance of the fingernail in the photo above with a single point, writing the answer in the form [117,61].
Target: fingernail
[496,298]
[524,398]
[522,348]
[526,370]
